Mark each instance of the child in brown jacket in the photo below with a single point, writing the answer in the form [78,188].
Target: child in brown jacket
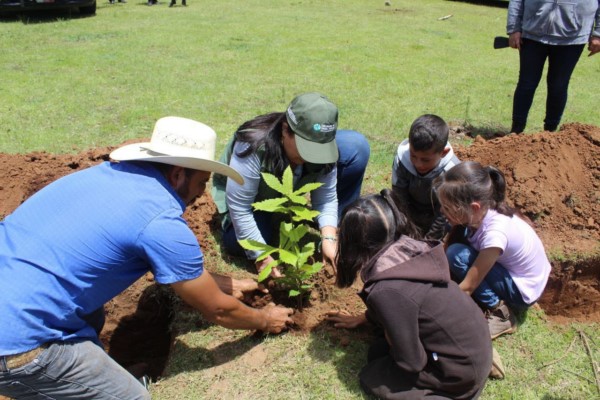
[435,340]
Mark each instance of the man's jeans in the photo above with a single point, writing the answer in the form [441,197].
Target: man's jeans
[561,63]
[496,285]
[71,370]
[354,153]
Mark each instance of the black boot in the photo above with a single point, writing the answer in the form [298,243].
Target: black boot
[173,2]
[183,3]
[517,127]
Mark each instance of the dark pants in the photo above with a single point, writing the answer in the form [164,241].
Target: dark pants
[354,153]
[383,379]
[561,63]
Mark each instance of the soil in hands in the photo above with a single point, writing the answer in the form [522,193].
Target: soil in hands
[553,178]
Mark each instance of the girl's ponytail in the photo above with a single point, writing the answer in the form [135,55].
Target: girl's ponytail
[499,191]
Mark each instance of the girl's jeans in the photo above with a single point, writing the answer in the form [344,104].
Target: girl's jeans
[497,284]
[354,155]
[71,370]
[561,63]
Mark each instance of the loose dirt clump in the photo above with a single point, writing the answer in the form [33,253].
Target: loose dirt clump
[553,178]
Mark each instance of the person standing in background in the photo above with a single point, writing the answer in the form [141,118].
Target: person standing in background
[557,31]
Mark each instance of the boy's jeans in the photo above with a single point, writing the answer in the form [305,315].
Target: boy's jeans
[354,155]
[496,285]
[71,370]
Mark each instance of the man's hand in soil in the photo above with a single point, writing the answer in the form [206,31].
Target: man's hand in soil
[237,287]
[594,45]
[277,318]
[342,319]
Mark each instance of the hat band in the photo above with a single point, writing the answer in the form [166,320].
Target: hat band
[180,151]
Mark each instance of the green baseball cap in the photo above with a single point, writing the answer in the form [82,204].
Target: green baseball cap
[314,118]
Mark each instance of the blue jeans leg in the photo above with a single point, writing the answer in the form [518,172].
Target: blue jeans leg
[72,370]
[264,222]
[354,152]
[497,284]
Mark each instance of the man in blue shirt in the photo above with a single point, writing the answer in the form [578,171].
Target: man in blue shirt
[85,238]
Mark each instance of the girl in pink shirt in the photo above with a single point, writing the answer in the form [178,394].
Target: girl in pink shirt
[494,254]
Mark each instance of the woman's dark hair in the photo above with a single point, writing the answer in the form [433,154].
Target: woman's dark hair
[470,182]
[265,130]
[367,225]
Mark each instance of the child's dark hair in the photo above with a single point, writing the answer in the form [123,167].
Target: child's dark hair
[367,225]
[428,132]
[470,182]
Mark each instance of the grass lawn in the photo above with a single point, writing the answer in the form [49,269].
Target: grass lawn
[68,84]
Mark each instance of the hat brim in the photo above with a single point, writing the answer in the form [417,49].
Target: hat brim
[317,153]
[140,152]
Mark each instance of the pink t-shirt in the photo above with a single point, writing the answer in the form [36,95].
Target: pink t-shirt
[522,251]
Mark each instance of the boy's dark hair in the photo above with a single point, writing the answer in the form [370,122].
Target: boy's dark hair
[428,132]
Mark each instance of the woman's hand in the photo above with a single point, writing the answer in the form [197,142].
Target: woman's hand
[342,319]
[515,41]
[594,45]
[329,249]
[260,265]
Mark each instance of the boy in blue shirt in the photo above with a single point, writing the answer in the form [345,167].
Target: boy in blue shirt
[421,158]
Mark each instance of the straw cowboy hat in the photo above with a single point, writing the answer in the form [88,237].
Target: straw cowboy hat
[182,142]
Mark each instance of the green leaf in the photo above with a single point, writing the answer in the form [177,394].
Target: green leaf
[288,182]
[288,257]
[296,234]
[266,271]
[293,293]
[309,187]
[298,199]
[255,245]
[303,213]
[272,181]
[271,205]
[312,269]
[307,251]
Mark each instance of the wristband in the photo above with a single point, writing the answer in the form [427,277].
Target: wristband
[329,237]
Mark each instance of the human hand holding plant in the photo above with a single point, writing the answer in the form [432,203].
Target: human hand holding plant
[294,258]
[262,264]
[329,245]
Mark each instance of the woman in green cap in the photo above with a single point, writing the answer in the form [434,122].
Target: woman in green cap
[304,137]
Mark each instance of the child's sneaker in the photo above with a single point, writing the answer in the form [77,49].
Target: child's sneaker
[501,320]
